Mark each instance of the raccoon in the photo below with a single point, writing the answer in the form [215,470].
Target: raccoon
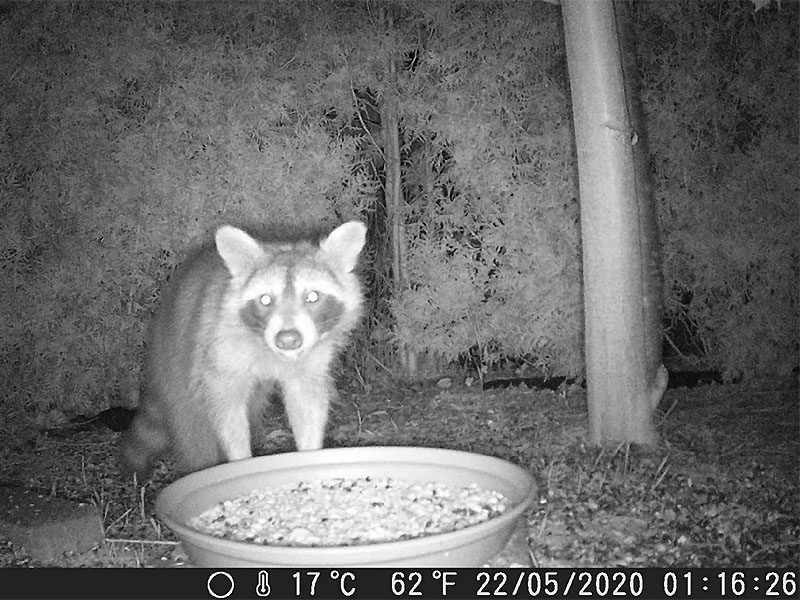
[239,319]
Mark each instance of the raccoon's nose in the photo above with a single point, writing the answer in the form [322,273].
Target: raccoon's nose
[288,339]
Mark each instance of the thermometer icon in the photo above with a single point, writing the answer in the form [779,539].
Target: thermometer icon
[262,589]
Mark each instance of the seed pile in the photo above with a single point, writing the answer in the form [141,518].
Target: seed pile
[349,512]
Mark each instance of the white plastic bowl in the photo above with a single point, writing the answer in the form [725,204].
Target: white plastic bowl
[473,546]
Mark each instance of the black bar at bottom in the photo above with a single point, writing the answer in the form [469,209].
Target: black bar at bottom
[384,584]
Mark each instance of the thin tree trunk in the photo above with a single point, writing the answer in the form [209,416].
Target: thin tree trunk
[618,327]
[395,203]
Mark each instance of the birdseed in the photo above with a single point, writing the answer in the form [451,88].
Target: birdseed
[349,512]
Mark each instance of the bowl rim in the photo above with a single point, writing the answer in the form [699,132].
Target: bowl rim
[172,495]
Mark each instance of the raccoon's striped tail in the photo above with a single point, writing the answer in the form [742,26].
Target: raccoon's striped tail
[143,443]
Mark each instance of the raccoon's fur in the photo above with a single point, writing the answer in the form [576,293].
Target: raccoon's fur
[238,319]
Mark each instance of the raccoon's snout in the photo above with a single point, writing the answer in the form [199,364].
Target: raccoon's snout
[288,339]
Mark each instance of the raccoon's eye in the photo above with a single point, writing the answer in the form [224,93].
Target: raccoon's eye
[265,300]
[312,296]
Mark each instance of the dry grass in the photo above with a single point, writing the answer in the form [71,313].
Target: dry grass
[721,490]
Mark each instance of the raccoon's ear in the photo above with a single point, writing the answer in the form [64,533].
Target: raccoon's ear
[344,243]
[238,250]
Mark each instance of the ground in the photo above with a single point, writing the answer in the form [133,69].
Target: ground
[721,490]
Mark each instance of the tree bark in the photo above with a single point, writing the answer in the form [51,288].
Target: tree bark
[621,299]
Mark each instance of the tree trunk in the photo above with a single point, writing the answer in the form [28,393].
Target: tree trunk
[394,200]
[619,294]
[649,238]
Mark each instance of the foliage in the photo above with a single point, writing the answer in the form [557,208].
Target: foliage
[493,245]
[130,133]
[721,94]
[131,130]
